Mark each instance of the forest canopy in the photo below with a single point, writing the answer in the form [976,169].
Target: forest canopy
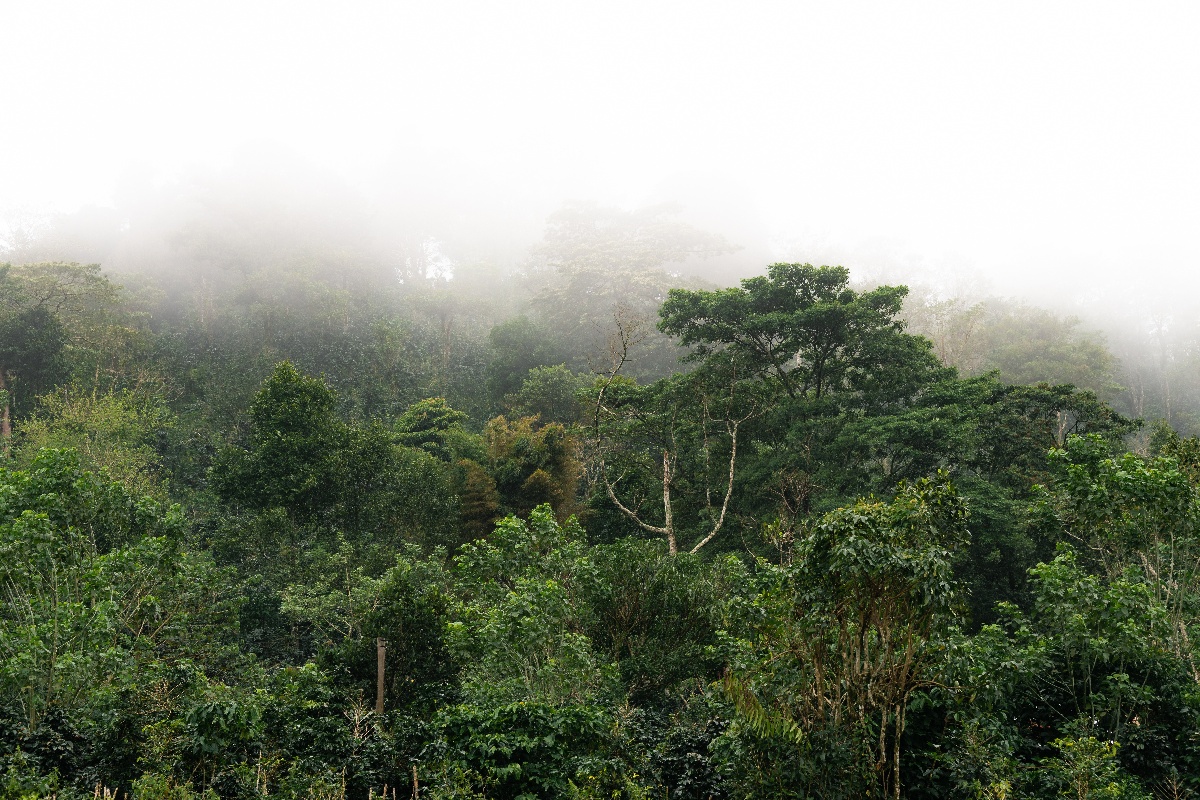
[313,520]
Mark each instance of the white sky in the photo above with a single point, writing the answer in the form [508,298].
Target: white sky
[1036,141]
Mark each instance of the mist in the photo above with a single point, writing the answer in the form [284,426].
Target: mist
[1030,143]
[1028,156]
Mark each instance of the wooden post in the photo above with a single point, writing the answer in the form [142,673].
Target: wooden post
[381,659]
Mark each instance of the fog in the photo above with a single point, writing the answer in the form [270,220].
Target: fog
[1041,150]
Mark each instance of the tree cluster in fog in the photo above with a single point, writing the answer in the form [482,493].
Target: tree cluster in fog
[269,231]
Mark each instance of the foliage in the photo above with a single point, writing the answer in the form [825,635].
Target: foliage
[519,345]
[532,466]
[428,425]
[117,433]
[800,327]
[838,641]
[32,360]
[300,457]
[656,615]
[96,589]
[749,578]
[290,460]
[549,393]
[407,608]
[525,750]
[1088,664]
[521,629]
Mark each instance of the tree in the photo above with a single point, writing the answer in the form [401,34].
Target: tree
[291,455]
[532,465]
[783,363]
[31,361]
[1089,662]
[840,638]
[518,345]
[95,582]
[520,625]
[656,615]
[551,394]
[430,425]
[1021,343]
[348,610]
[299,456]
[1128,512]
[678,428]
[114,432]
[801,327]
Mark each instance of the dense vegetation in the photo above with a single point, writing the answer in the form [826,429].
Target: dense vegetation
[620,533]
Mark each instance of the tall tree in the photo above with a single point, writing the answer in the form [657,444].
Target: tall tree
[666,454]
[800,327]
[784,362]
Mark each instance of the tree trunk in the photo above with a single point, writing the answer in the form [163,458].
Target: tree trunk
[5,416]
[668,525]
[380,660]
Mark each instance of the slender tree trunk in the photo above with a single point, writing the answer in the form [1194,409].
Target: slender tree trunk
[380,661]
[5,416]
[670,528]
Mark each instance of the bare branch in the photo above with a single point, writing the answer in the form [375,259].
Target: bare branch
[612,495]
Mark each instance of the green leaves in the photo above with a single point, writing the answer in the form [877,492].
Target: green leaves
[94,583]
[115,432]
[526,749]
[1090,670]
[800,326]
[519,632]
[291,456]
[838,640]
[428,425]
[298,455]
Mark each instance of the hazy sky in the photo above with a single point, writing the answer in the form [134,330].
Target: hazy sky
[1041,141]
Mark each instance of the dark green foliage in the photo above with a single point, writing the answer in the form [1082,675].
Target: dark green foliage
[551,394]
[676,750]
[394,493]
[291,455]
[836,641]
[532,466]
[527,749]
[801,327]
[428,424]
[656,616]
[518,346]
[408,611]
[300,457]
[32,357]
[99,594]
[1088,664]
